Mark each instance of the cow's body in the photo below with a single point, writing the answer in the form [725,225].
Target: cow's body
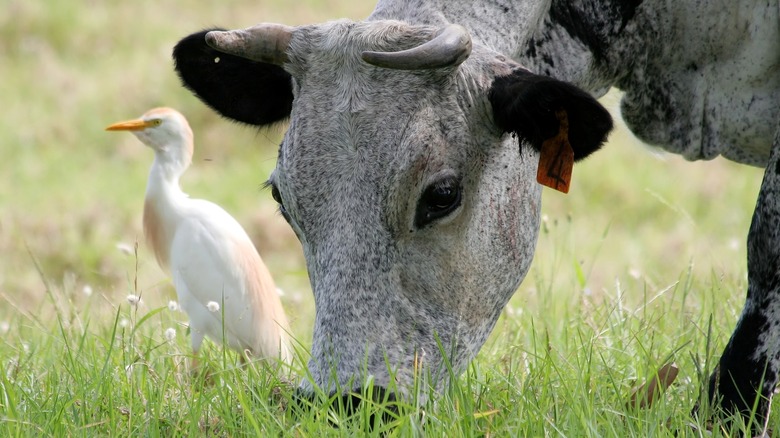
[701,78]
[374,158]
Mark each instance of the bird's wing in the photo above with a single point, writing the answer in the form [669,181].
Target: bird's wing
[201,322]
[213,256]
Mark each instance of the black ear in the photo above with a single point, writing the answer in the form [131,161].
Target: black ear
[525,103]
[240,89]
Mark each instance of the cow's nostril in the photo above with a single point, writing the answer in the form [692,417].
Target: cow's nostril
[375,403]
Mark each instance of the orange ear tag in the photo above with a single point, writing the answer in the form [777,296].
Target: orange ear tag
[556,158]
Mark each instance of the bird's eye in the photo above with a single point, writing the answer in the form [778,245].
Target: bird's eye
[438,200]
[155,122]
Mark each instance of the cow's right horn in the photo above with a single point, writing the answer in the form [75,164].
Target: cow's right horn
[449,47]
[266,42]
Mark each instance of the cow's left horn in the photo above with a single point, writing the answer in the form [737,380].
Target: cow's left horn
[450,46]
[266,42]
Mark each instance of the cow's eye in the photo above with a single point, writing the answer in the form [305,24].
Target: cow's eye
[278,198]
[275,194]
[438,200]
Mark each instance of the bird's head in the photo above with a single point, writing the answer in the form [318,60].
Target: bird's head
[164,130]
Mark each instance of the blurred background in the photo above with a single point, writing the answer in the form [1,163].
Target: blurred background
[71,194]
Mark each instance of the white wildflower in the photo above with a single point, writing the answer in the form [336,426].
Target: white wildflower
[4,327]
[170,333]
[125,248]
[124,322]
[133,299]
[173,306]
[635,273]
[213,306]
[87,290]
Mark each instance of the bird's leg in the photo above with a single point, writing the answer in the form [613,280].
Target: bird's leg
[200,373]
[196,371]
[194,365]
[747,373]
[245,356]
[197,340]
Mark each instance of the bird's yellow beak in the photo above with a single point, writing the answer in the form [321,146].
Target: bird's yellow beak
[129,125]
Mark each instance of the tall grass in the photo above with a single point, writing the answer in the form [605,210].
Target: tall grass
[563,366]
[642,263]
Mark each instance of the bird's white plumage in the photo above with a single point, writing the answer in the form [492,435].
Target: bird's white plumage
[208,254]
[212,259]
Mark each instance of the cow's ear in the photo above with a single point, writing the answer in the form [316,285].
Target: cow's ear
[526,104]
[240,89]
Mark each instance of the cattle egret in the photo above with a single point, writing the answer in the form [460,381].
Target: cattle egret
[206,252]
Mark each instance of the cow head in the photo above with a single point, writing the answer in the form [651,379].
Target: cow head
[408,174]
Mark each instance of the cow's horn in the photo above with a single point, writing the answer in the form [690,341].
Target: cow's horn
[266,42]
[450,46]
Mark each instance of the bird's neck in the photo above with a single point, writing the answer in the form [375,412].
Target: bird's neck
[162,206]
[167,168]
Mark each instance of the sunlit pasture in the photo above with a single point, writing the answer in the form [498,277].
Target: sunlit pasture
[642,263]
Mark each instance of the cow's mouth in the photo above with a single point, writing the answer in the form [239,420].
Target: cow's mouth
[372,406]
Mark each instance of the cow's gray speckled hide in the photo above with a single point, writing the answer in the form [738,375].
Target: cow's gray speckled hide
[701,78]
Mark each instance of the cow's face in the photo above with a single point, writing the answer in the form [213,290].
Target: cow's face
[413,197]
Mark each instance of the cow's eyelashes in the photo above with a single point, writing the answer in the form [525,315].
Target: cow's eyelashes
[439,199]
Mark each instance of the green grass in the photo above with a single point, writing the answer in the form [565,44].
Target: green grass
[642,263]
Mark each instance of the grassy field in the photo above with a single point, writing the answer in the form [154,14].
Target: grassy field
[642,263]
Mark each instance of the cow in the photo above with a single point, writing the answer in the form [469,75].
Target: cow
[415,136]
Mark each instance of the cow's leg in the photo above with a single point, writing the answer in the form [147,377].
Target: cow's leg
[748,370]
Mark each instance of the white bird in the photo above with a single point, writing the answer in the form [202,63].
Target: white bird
[216,270]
